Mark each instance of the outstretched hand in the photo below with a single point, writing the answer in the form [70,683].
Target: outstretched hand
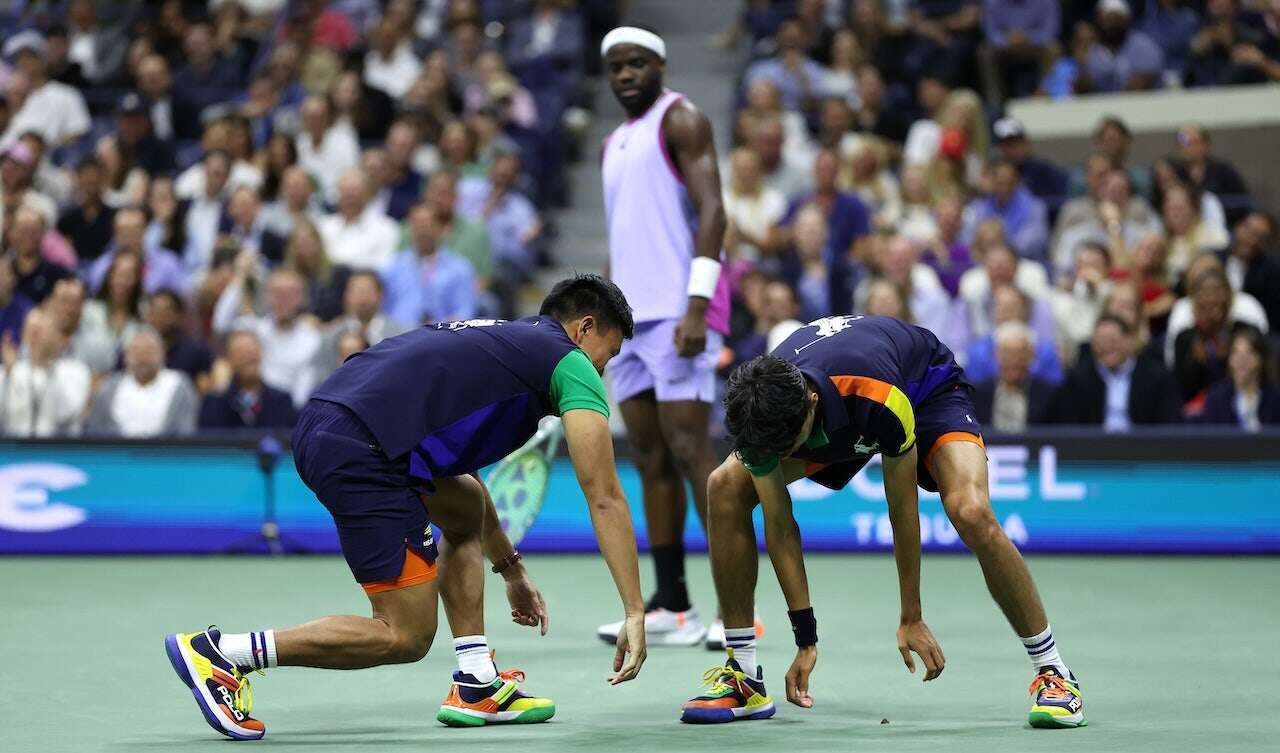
[916,636]
[527,606]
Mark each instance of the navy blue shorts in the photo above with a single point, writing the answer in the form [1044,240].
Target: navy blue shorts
[374,502]
[943,417]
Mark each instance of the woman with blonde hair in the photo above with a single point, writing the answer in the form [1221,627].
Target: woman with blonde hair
[866,174]
[1189,236]
[324,281]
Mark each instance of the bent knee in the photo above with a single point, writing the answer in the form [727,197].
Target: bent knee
[975,521]
[729,487]
[405,647]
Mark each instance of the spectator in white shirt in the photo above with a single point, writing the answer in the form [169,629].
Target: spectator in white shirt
[390,64]
[297,201]
[783,170]
[289,341]
[146,399]
[750,206]
[204,212]
[54,110]
[357,235]
[326,150]
[217,137]
[42,394]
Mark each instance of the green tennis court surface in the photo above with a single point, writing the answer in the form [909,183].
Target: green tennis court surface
[1174,654]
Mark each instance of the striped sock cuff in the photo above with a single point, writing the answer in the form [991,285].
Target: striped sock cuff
[739,637]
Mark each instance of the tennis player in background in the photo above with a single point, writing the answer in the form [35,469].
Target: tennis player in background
[666,223]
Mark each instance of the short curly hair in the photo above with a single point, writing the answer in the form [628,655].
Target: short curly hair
[765,408]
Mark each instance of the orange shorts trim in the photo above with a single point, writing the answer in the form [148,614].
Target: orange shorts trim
[416,570]
[951,436]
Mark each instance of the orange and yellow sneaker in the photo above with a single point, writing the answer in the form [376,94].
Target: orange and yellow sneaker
[472,703]
[732,695]
[1056,702]
[220,690]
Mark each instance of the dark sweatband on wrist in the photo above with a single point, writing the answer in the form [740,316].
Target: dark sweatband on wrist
[804,626]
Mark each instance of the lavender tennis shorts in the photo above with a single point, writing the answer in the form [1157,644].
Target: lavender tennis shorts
[648,361]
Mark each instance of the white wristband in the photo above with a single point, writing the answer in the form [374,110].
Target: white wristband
[704,275]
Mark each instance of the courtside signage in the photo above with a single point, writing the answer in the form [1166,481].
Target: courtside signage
[137,499]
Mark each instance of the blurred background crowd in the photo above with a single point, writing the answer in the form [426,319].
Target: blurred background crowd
[209,205]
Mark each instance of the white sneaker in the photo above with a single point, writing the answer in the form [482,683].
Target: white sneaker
[715,634]
[662,627]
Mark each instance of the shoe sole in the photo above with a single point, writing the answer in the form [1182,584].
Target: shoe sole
[187,673]
[1045,720]
[452,716]
[663,639]
[721,716]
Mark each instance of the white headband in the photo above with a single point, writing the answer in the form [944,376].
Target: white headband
[632,35]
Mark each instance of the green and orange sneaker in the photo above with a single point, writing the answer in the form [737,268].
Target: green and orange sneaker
[1056,702]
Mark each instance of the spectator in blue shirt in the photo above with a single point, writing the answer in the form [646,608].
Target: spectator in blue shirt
[207,78]
[13,305]
[162,269]
[1026,222]
[1171,25]
[848,218]
[796,77]
[425,282]
[1046,181]
[1123,59]
[1020,46]
[513,222]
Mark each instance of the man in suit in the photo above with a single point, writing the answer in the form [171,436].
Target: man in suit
[1118,387]
[1014,399]
[1250,266]
[247,403]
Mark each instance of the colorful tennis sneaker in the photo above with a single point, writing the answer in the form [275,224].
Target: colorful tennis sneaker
[732,696]
[1056,702]
[220,690]
[472,703]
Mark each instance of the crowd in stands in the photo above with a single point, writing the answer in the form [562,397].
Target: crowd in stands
[873,170]
[207,206]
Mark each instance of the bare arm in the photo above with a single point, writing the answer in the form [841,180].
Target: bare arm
[591,450]
[904,516]
[688,132]
[782,538]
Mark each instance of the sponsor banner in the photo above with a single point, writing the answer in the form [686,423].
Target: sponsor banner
[1080,494]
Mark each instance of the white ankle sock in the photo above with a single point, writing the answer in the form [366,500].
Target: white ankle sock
[742,642]
[474,658]
[249,651]
[1043,651]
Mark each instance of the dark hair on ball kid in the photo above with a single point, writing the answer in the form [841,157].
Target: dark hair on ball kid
[765,407]
[581,295]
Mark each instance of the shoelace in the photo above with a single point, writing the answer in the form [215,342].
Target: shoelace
[1052,687]
[512,675]
[243,697]
[715,679]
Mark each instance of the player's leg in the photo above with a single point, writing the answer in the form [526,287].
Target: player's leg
[737,689]
[960,469]
[664,499]
[479,694]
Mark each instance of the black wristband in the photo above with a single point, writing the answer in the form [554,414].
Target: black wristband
[804,626]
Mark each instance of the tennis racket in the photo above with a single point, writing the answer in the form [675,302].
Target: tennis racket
[518,483]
